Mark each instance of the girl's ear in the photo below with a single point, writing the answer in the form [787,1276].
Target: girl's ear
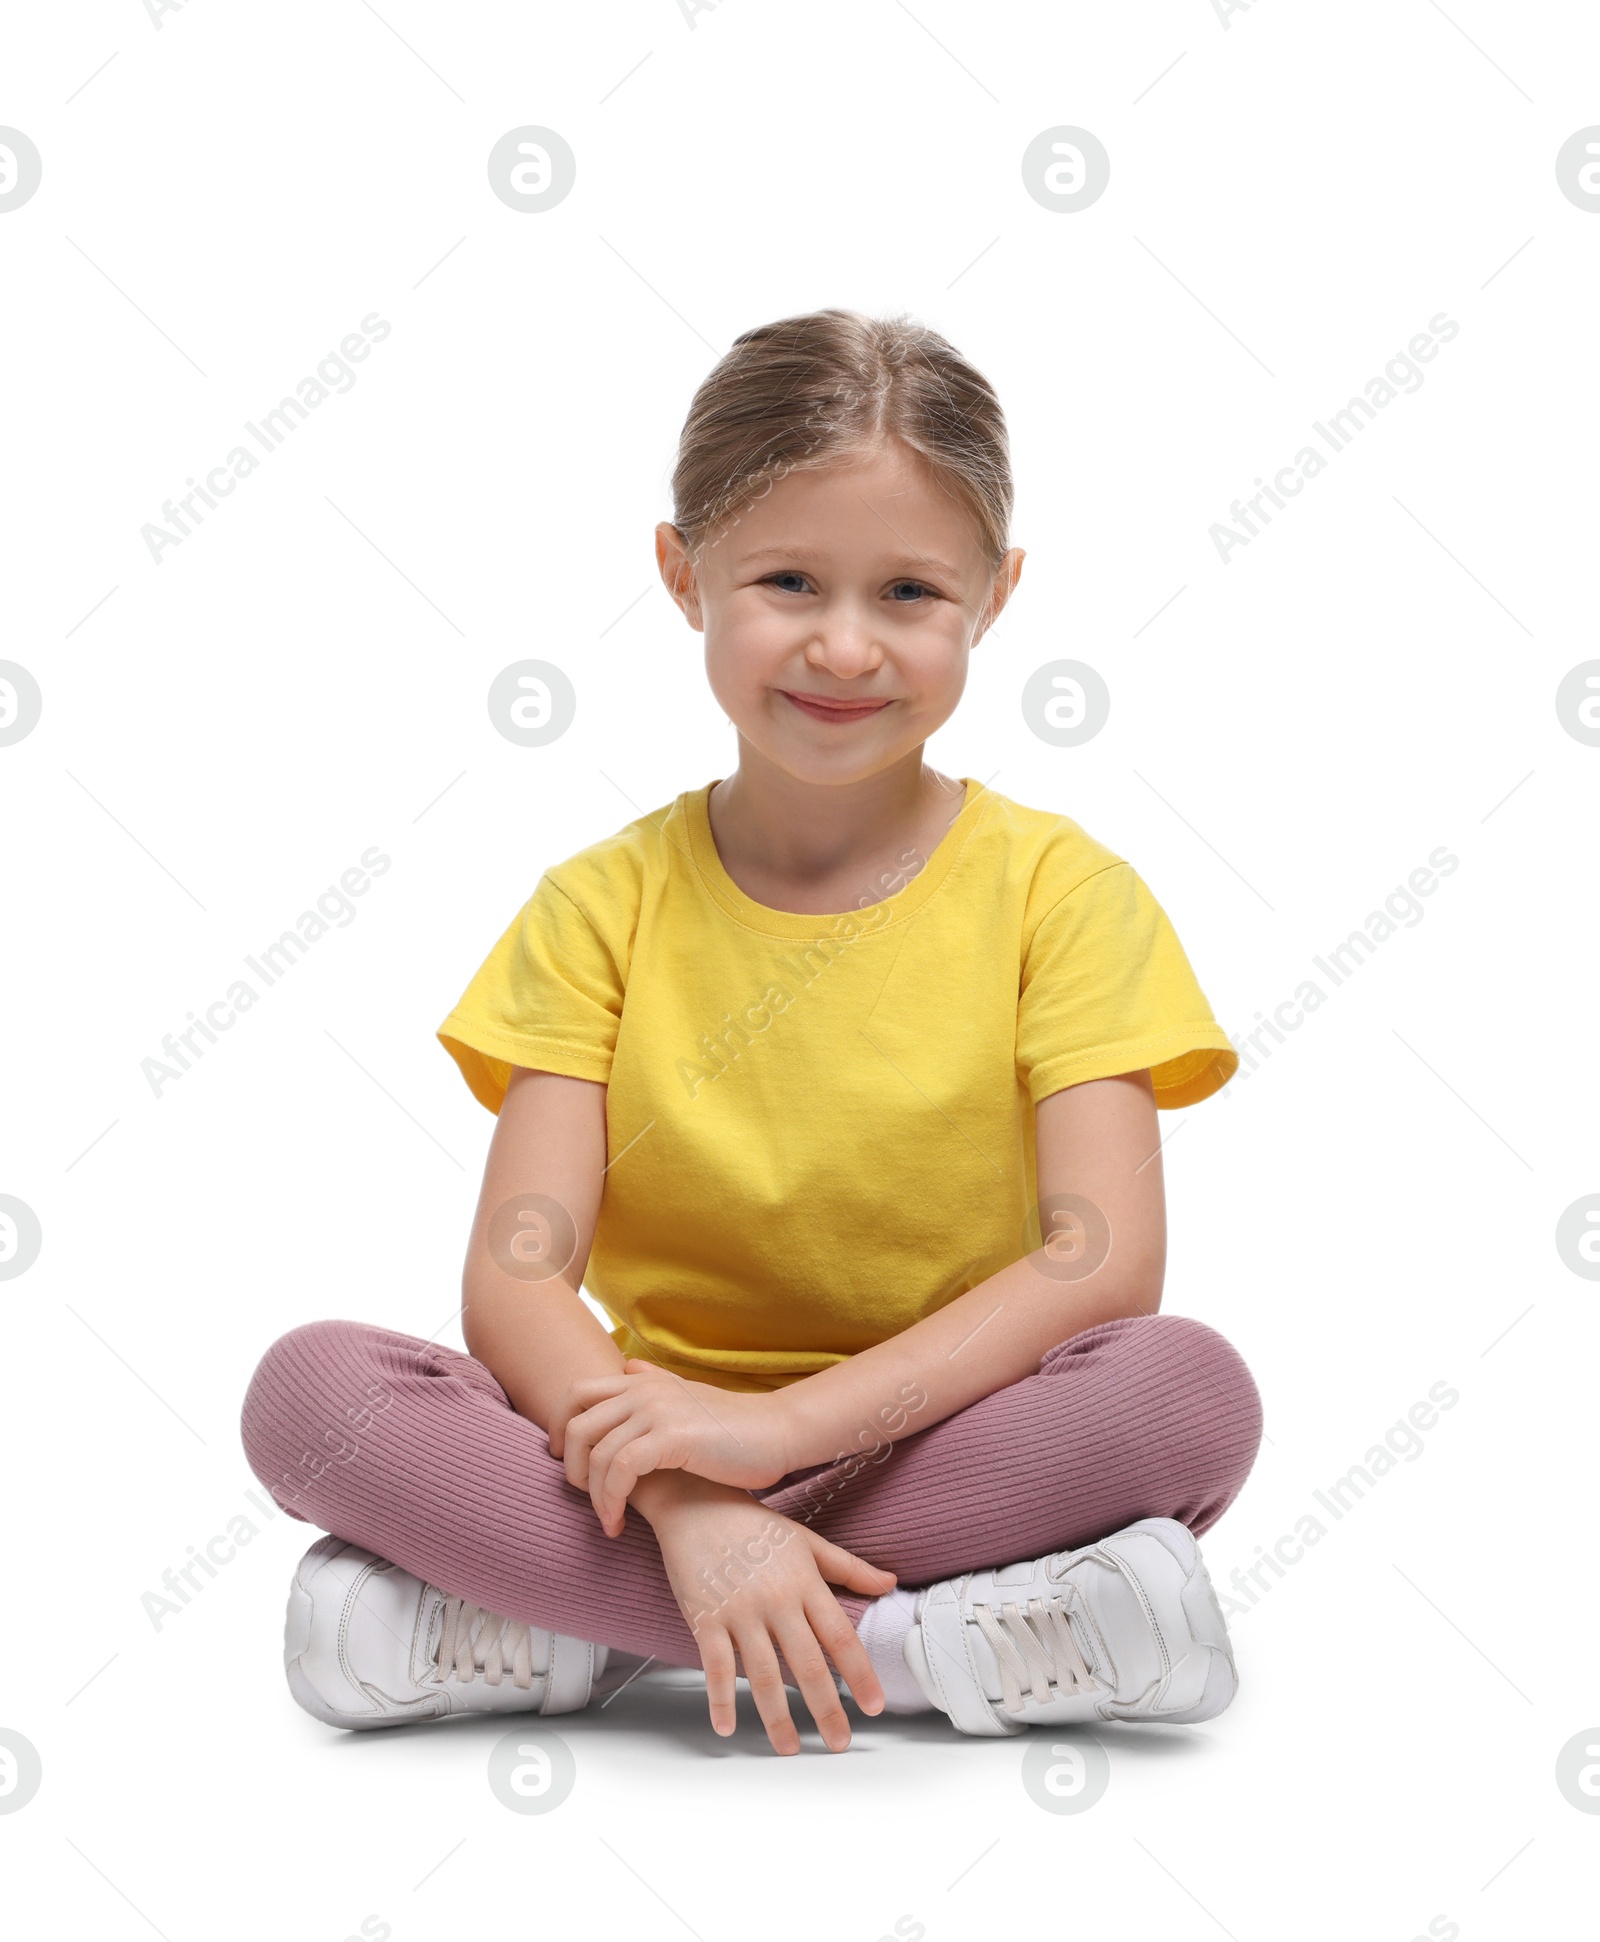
[1001,588]
[677,571]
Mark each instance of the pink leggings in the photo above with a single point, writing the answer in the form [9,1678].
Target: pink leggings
[413,1451]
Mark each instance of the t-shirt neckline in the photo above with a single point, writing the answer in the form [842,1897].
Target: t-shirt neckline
[900,904]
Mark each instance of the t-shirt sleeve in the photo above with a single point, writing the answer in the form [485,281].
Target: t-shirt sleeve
[1106,988]
[549,996]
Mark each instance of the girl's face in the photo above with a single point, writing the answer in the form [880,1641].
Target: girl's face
[860,585]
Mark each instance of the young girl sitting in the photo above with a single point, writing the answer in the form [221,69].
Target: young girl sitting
[835,1080]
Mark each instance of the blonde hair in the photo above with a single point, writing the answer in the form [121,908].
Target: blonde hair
[812,390]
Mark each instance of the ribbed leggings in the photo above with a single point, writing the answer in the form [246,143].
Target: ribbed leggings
[413,1451]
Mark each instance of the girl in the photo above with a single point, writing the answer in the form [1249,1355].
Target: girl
[836,1081]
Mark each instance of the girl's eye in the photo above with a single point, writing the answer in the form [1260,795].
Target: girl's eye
[788,580]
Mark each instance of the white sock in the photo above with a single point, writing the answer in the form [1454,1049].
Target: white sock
[883,1628]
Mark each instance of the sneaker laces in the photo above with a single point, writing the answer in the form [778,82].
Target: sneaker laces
[1036,1645]
[473,1641]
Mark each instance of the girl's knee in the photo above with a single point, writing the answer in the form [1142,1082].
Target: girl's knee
[311,1391]
[1197,1346]
[1194,1380]
[1157,1341]
[309,1358]
[1173,1408]
[1215,1404]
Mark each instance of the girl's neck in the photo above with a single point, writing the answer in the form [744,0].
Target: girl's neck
[819,847]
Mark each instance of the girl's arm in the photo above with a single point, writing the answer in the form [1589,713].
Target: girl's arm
[1099,1141]
[535,1335]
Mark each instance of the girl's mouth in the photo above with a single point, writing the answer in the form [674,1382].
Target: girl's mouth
[820,709]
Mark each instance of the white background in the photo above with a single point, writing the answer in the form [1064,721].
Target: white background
[1294,193]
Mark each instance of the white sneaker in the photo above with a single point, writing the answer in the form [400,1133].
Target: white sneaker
[367,1644]
[1128,1628]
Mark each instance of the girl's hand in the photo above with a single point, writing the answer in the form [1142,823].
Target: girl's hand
[746,1577]
[645,1419]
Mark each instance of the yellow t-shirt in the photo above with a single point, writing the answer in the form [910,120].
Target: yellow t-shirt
[820,1128]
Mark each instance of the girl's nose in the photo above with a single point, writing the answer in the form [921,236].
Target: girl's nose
[844,643]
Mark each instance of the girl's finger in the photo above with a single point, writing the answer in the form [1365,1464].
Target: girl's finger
[609,1484]
[842,1643]
[585,1431]
[624,1470]
[594,1389]
[600,1459]
[716,1655]
[841,1567]
[814,1677]
[766,1685]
